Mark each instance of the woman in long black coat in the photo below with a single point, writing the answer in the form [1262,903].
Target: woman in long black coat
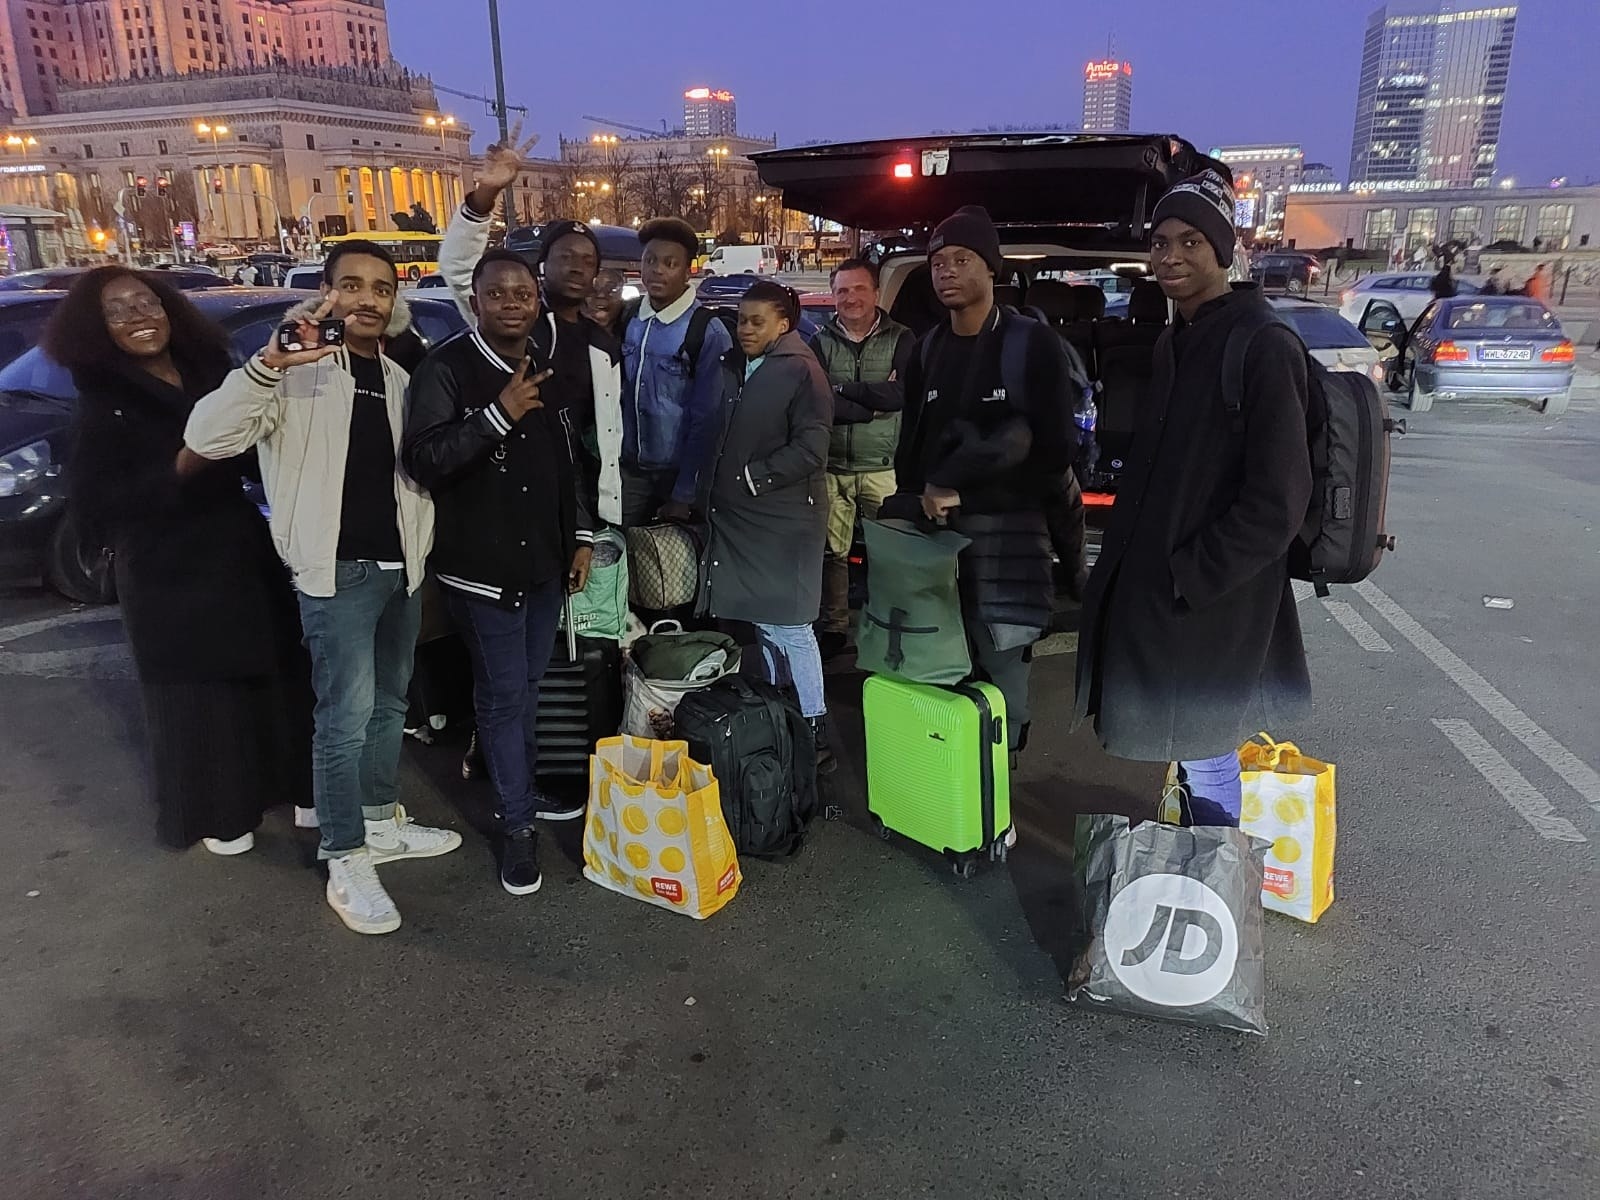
[206,603]
[765,495]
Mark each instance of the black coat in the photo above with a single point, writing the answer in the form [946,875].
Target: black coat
[765,491]
[1190,640]
[204,595]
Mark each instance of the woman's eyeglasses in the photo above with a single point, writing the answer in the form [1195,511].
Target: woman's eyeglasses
[132,310]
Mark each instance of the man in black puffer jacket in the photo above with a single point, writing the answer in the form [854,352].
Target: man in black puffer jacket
[486,434]
[989,462]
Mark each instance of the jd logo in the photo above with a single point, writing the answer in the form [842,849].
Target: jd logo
[1171,940]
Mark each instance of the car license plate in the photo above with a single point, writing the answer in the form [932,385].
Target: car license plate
[1505,353]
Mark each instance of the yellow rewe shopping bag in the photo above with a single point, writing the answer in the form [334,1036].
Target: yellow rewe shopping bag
[1289,801]
[654,829]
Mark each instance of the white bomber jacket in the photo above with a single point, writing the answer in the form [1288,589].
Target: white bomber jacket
[465,240]
[299,420]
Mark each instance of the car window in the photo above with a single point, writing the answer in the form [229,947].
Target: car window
[246,339]
[1527,317]
[436,322]
[1387,284]
[37,373]
[1322,328]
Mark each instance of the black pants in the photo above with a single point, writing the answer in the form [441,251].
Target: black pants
[643,494]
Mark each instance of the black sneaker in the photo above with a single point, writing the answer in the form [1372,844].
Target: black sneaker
[551,809]
[827,762]
[831,643]
[519,863]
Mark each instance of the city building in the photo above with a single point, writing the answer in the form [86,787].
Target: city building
[1262,177]
[1401,223]
[46,45]
[1315,172]
[1107,96]
[1433,86]
[710,113]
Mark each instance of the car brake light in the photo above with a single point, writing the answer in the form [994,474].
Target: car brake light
[1450,352]
[1098,499]
[1561,353]
[902,170]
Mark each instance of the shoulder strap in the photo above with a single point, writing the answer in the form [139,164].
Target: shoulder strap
[925,348]
[1234,353]
[1014,333]
[694,338]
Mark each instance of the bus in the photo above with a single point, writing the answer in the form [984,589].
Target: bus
[415,254]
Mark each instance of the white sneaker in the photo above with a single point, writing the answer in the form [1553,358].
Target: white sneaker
[400,837]
[239,845]
[306,818]
[356,895]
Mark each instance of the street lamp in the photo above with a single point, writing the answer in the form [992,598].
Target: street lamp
[215,130]
[18,142]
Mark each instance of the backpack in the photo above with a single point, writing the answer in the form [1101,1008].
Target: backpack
[1014,352]
[1348,429]
[761,751]
[694,338]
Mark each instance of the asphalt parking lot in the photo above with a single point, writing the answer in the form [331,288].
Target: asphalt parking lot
[858,1022]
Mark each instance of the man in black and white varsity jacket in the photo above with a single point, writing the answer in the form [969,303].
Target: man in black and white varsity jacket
[488,433]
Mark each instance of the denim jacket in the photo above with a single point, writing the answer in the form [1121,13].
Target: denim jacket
[668,417]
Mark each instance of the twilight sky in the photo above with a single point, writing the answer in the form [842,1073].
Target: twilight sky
[1236,71]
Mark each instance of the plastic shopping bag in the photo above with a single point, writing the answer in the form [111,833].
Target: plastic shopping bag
[666,665]
[1289,801]
[1175,923]
[601,609]
[655,829]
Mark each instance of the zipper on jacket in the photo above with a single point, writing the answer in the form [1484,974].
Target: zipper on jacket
[638,383]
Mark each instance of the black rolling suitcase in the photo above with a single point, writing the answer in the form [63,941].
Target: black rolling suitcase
[580,702]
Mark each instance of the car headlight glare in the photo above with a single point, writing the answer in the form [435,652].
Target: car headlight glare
[22,469]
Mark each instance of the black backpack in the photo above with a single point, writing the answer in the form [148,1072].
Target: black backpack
[761,751]
[694,338]
[1348,429]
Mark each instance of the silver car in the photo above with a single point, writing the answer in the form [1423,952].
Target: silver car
[1479,346]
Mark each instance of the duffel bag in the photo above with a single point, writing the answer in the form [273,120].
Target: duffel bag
[663,565]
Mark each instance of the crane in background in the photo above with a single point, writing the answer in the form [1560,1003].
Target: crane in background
[624,125]
[490,105]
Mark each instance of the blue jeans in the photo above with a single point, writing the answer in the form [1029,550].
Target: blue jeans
[1215,795]
[363,643]
[510,649]
[791,656]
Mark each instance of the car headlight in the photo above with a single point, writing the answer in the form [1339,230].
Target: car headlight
[630,292]
[1379,373]
[23,468]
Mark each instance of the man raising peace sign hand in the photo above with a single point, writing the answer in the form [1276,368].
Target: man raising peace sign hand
[513,530]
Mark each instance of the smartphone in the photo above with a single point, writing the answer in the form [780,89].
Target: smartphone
[329,333]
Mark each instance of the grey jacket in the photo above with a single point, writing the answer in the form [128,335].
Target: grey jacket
[765,492]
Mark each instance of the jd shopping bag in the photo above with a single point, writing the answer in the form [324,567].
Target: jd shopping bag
[911,625]
[1288,801]
[601,609]
[655,829]
[1175,923]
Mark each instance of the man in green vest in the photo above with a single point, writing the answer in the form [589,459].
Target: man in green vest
[865,354]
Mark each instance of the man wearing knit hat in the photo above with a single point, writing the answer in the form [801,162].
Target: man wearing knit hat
[1190,640]
[976,453]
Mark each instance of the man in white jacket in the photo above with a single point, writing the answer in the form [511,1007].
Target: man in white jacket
[355,532]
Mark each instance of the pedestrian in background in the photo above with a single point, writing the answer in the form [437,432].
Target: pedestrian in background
[1443,285]
[865,354]
[207,606]
[605,304]
[1538,285]
[1190,640]
[765,497]
[355,531]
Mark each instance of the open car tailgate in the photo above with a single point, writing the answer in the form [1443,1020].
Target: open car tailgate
[1107,181]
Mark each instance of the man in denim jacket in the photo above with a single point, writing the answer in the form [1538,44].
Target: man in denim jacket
[669,395]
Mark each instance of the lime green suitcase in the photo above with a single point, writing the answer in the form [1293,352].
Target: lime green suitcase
[938,770]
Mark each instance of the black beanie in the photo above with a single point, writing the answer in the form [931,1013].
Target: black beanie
[971,227]
[556,230]
[1206,202]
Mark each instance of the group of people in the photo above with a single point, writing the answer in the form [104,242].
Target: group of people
[275,668]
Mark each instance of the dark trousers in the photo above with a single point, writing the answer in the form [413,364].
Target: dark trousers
[643,494]
[1008,670]
[510,649]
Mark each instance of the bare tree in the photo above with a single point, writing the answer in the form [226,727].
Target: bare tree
[663,185]
[710,184]
[560,196]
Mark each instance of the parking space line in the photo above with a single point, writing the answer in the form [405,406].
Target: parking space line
[1521,795]
[1356,626]
[82,616]
[1580,776]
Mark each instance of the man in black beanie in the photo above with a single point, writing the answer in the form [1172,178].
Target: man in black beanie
[987,448]
[1190,641]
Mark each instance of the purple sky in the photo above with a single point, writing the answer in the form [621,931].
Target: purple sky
[810,70]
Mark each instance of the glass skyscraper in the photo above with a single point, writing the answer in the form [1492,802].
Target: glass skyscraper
[1433,83]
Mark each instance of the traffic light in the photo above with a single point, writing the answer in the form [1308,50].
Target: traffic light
[141,187]
[162,183]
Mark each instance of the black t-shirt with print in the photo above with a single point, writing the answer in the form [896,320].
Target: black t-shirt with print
[369,525]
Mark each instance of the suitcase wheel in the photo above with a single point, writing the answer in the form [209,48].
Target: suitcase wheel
[965,866]
[883,830]
[999,850]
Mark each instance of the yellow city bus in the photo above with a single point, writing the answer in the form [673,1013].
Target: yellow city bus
[415,254]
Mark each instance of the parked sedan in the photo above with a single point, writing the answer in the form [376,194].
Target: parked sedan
[1408,291]
[1291,271]
[1333,341]
[59,279]
[37,403]
[1509,346]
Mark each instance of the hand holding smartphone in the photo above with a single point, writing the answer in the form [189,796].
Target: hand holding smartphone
[313,337]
